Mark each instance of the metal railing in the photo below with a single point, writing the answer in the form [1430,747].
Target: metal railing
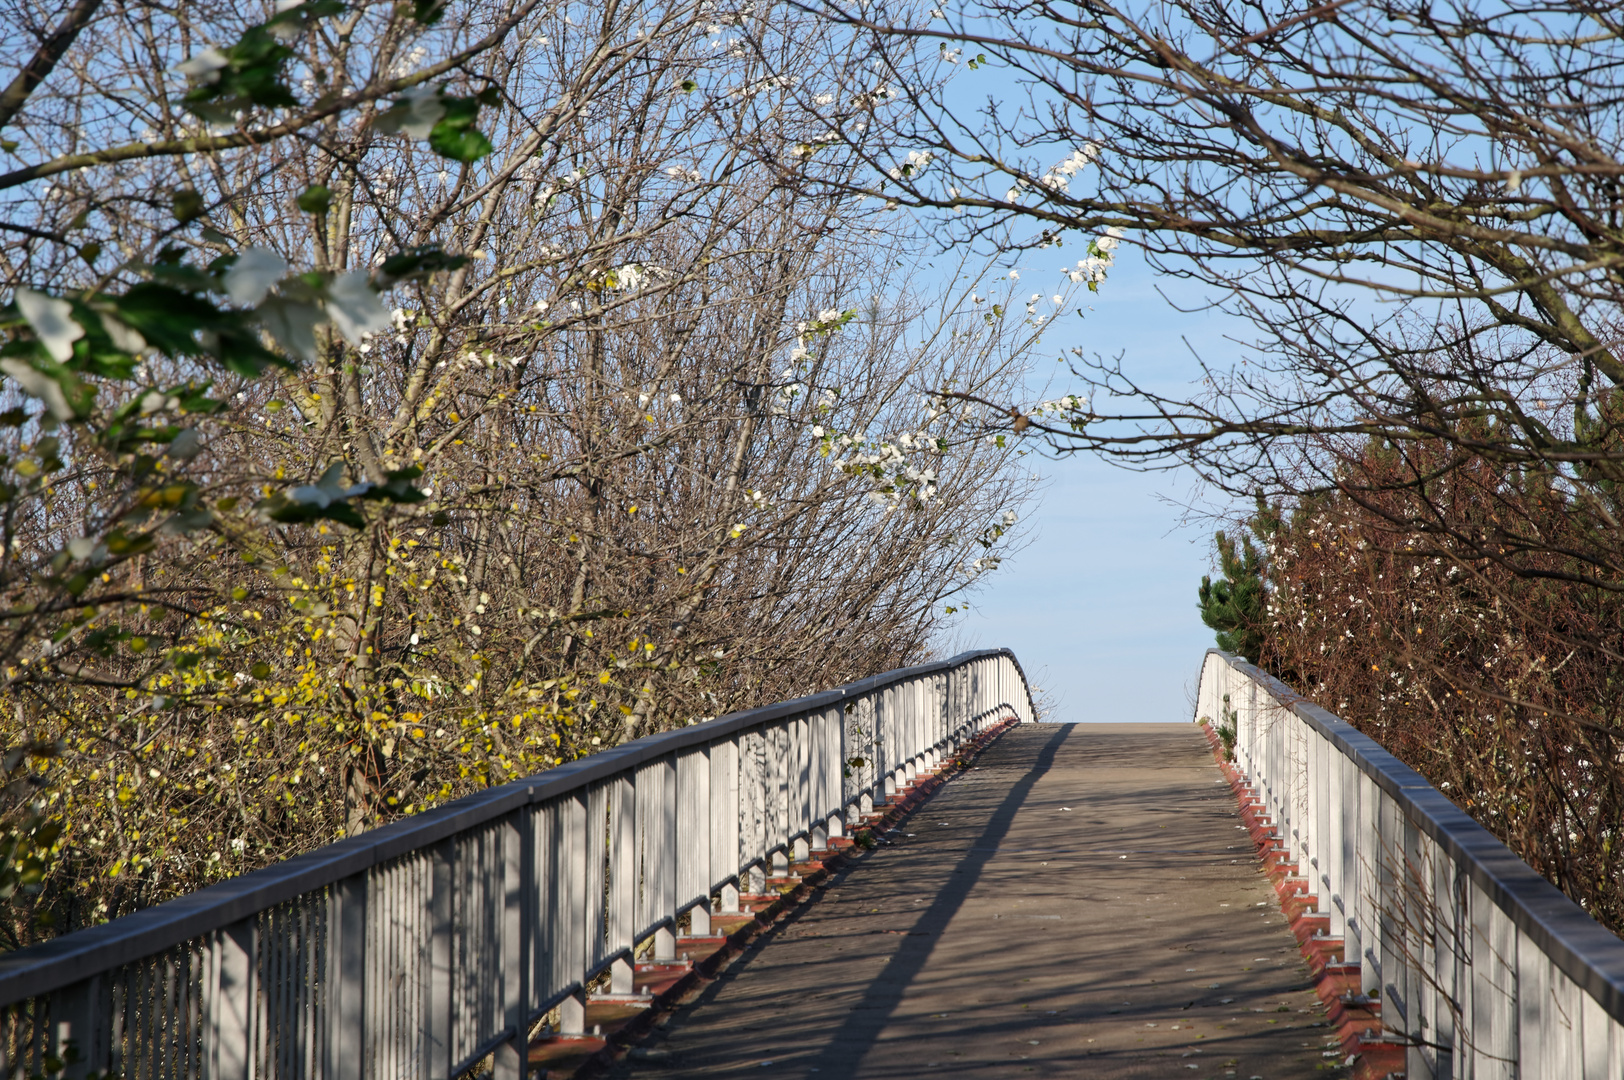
[433,945]
[1483,968]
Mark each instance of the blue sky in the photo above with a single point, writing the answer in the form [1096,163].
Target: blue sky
[1100,606]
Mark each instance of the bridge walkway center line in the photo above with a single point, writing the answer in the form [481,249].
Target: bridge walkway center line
[1082,903]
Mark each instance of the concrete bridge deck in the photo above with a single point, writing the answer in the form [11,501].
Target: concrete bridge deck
[1082,903]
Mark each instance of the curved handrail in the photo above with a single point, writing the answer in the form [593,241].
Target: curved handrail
[1581,949]
[40,970]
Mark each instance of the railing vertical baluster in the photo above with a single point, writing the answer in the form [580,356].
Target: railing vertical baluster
[967,699]
[441,934]
[511,1060]
[1368,889]
[871,791]
[930,710]
[964,700]
[382,958]
[693,838]
[622,884]
[886,724]
[229,1003]
[1535,1016]
[784,822]
[658,834]
[1301,774]
[918,745]
[752,810]
[346,979]
[1344,867]
[1601,1041]
[801,801]
[1319,792]
[818,767]
[928,736]
[577,911]
[839,789]
[1423,972]
[598,870]
[546,936]
[726,808]
[896,740]
[1448,992]
[1493,997]
[846,775]
[79,1027]
[380,1017]
[970,697]
[1388,918]
[645,810]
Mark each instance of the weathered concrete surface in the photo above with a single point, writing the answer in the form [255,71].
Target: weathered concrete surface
[1081,904]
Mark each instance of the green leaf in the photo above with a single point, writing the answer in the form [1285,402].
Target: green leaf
[102,641]
[464,145]
[64,395]
[188,521]
[689,86]
[120,542]
[179,323]
[454,135]
[397,487]
[253,71]
[413,114]
[315,199]
[327,498]
[186,204]
[417,263]
[167,317]
[428,12]
[195,399]
[280,508]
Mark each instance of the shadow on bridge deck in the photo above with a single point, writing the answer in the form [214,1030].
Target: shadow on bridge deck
[1082,903]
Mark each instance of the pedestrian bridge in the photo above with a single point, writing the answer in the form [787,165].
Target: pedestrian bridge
[900,877]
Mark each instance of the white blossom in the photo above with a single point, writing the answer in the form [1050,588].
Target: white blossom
[253,274]
[355,308]
[52,320]
[1058,178]
[204,67]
